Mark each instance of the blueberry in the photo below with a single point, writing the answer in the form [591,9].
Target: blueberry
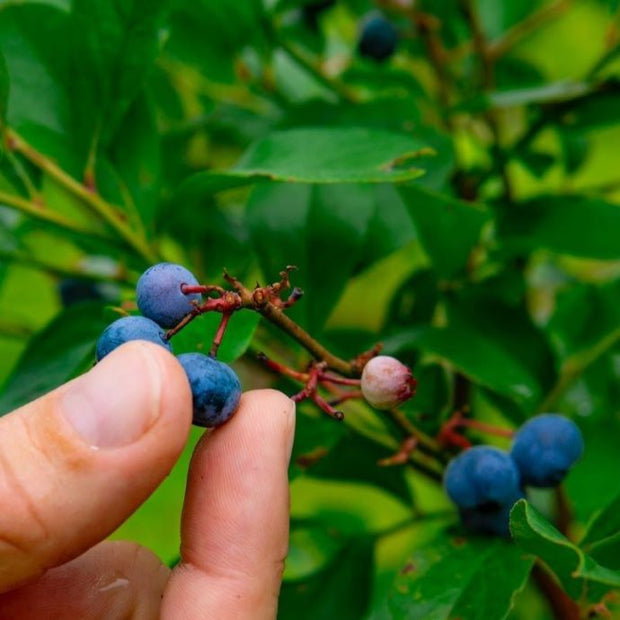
[481,477]
[216,389]
[484,483]
[378,39]
[129,328]
[159,293]
[387,382]
[545,448]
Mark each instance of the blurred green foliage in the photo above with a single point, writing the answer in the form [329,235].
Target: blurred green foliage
[460,203]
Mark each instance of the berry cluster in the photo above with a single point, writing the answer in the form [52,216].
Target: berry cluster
[485,482]
[163,302]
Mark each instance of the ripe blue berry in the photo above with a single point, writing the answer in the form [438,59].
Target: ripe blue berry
[378,39]
[482,477]
[484,483]
[216,389]
[387,382]
[545,448]
[159,293]
[129,328]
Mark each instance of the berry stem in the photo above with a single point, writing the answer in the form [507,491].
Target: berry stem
[217,340]
[485,428]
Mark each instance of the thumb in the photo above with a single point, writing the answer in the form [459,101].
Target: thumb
[77,462]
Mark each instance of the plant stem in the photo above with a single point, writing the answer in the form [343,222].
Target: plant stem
[341,90]
[574,366]
[12,329]
[277,317]
[531,23]
[562,606]
[39,212]
[110,214]
[487,70]
[61,271]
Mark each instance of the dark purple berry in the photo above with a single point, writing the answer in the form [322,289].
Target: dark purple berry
[216,389]
[159,293]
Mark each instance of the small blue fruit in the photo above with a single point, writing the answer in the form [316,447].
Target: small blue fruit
[159,293]
[482,476]
[129,328]
[484,483]
[545,448]
[378,39]
[216,389]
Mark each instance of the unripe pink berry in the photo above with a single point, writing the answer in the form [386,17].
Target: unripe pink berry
[386,382]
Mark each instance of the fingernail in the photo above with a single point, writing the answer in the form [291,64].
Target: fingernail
[116,402]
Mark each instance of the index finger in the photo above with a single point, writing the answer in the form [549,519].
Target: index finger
[235,520]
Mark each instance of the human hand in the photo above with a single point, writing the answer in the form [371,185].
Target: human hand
[77,462]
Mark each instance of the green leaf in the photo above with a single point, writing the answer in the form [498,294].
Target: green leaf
[4,89]
[318,155]
[199,334]
[448,228]
[33,39]
[464,578]
[605,523]
[340,591]
[355,458]
[579,574]
[474,354]
[56,354]
[114,45]
[573,225]
[320,229]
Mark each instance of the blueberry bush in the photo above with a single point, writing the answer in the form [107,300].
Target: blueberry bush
[443,176]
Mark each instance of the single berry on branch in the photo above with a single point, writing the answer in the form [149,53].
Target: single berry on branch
[484,483]
[545,448]
[160,295]
[378,38]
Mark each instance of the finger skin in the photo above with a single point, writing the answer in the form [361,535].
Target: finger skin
[112,581]
[59,495]
[235,519]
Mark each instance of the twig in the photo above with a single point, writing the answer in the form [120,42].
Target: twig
[531,23]
[44,214]
[107,212]
[562,606]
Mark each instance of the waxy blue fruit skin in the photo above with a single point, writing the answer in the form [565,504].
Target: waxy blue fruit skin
[484,483]
[545,448]
[130,328]
[216,389]
[159,294]
[378,39]
[482,476]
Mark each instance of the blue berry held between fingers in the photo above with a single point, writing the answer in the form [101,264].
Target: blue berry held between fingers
[159,293]
[216,389]
[545,448]
[378,39]
[129,328]
[482,478]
